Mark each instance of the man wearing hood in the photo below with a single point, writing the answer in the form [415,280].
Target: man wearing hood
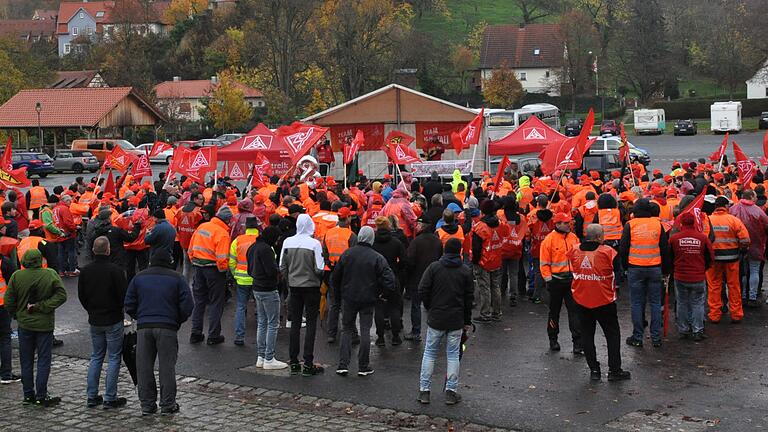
[756,222]
[399,206]
[209,255]
[644,250]
[244,211]
[362,278]
[390,308]
[425,249]
[456,181]
[302,266]
[488,237]
[540,224]
[32,297]
[446,290]
[101,225]
[524,193]
[556,271]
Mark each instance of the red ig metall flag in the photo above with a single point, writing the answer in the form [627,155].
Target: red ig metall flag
[745,166]
[469,135]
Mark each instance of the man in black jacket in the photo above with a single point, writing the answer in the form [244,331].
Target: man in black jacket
[101,289]
[425,249]
[363,279]
[433,187]
[101,225]
[392,309]
[446,290]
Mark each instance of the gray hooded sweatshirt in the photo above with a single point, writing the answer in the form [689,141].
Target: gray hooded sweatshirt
[301,259]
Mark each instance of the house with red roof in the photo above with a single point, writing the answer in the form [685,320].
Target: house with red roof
[534,52]
[183,99]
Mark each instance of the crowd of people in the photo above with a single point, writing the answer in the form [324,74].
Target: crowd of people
[168,251]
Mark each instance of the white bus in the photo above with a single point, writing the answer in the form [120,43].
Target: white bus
[502,122]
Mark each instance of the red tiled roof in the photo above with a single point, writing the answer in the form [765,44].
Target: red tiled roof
[67,11]
[46,14]
[27,28]
[73,107]
[516,45]
[155,13]
[191,89]
[72,79]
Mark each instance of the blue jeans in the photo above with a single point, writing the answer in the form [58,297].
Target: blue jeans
[68,255]
[691,302]
[5,343]
[243,296]
[31,342]
[268,317]
[754,279]
[645,286]
[107,341]
[452,349]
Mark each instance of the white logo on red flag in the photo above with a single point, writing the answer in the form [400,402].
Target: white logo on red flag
[400,153]
[120,160]
[470,133]
[534,134]
[297,140]
[257,143]
[236,173]
[143,164]
[199,162]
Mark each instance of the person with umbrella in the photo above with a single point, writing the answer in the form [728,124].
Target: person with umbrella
[160,300]
[101,289]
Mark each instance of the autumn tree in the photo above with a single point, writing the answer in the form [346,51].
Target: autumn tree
[227,108]
[579,39]
[437,6]
[359,37]
[181,10]
[535,10]
[502,89]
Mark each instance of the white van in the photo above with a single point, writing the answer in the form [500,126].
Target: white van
[650,121]
[726,117]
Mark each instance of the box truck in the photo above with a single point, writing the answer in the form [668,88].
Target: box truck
[650,121]
[726,117]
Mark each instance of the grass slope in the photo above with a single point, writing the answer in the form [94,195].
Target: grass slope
[465,14]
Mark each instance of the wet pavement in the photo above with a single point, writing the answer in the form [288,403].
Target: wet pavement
[509,379]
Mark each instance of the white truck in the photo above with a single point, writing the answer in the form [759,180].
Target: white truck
[726,117]
[650,121]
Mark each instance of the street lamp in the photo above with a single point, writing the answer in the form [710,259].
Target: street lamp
[38,108]
[597,85]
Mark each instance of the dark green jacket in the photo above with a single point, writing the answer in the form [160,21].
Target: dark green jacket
[34,285]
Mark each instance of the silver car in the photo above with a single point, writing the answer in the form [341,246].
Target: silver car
[75,160]
[228,138]
[162,157]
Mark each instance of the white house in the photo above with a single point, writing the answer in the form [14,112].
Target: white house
[183,99]
[534,52]
[757,86]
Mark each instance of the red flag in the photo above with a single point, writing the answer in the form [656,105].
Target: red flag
[624,147]
[745,165]
[566,154]
[142,167]
[500,174]
[14,177]
[469,135]
[203,159]
[179,160]
[764,159]
[119,159]
[262,165]
[351,149]
[695,208]
[109,185]
[159,147]
[299,138]
[257,180]
[720,152]
[584,141]
[236,171]
[6,162]
[397,149]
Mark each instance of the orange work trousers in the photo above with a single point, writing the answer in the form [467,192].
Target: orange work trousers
[715,288]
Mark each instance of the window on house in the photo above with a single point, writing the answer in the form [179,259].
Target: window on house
[67,48]
[82,15]
[100,14]
[536,51]
[523,76]
[89,30]
[185,108]
[74,31]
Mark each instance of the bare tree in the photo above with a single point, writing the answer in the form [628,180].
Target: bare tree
[579,39]
[534,10]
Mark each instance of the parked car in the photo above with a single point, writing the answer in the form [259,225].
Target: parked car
[36,163]
[573,127]
[228,138]
[75,160]
[609,127]
[102,147]
[686,127]
[208,142]
[763,122]
[610,144]
[162,157]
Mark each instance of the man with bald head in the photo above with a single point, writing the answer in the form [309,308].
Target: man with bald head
[594,292]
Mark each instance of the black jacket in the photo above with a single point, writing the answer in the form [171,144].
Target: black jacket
[433,215]
[392,250]
[446,290]
[425,249]
[431,188]
[262,265]
[102,226]
[477,242]
[101,288]
[362,276]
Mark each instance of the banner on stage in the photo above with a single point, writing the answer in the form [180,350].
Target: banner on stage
[443,168]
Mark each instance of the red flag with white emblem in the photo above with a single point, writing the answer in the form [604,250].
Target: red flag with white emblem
[142,167]
[694,208]
[351,149]
[119,159]
[299,138]
[720,152]
[745,165]
[469,135]
[396,146]
[159,147]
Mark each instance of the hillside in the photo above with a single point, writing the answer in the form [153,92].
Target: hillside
[463,15]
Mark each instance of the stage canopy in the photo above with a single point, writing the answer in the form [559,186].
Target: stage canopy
[531,137]
[259,140]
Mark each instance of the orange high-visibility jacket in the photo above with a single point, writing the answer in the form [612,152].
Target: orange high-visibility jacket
[553,259]
[730,235]
[209,245]
[644,237]
[610,220]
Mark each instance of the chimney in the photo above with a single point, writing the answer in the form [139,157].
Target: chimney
[214,80]
[177,79]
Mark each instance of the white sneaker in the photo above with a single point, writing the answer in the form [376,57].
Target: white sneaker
[260,362]
[303,323]
[127,323]
[274,364]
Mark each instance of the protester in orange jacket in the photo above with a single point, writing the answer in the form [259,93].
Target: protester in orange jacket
[556,271]
[399,206]
[487,242]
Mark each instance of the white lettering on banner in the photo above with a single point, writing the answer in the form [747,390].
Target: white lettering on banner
[199,162]
[297,140]
[236,172]
[534,134]
[443,168]
[257,143]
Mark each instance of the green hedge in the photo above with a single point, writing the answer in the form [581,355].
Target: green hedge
[700,108]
